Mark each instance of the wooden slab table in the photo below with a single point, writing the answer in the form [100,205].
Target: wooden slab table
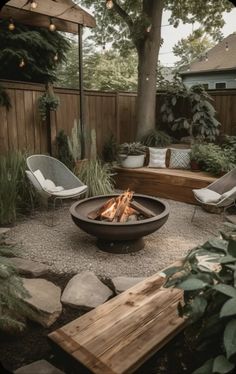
[120,335]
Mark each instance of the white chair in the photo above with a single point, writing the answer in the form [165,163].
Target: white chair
[219,195]
[52,179]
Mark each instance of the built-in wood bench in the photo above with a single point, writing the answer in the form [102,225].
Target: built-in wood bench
[166,183]
[120,335]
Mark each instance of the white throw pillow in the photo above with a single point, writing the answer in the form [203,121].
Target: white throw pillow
[157,157]
[39,176]
[51,187]
[229,193]
[207,196]
[179,158]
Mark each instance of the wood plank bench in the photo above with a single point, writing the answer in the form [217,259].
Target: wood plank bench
[166,183]
[120,335]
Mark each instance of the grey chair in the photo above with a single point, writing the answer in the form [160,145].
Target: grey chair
[225,187]
[52,179]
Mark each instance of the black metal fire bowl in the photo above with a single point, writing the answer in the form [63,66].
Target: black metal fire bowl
[119,237]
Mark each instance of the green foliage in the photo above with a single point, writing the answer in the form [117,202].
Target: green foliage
[97,176]
[37,47]
[110,149]
[63,151]
[191,48]
[208,278]
[212,158]
[156,138]
[132,149]
[4,98]
[105,70]
[124,29]
[229,144]
[47,102]
[199,121]
[12,308]
[74,142]
[16,194]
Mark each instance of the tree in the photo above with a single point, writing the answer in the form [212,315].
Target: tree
[190,48]
[30,53]
[137,24]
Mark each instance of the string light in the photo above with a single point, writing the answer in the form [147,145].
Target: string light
[52,27]
[226,46]
[33,4]
[149,28]
[109,4]
[55,58]
[206,57]
[22,63]
[11,25]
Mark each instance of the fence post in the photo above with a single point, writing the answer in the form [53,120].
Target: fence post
[117,118]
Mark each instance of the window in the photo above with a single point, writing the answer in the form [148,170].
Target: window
[220,85]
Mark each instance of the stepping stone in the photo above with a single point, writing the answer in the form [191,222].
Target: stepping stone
[122,284]
[38,367]
[4,230]
[45,299]
[27,267]
[85,290]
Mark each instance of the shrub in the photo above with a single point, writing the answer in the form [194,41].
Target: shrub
[156,138]
[16,193]
[208,278]
[97,176]
[63,151]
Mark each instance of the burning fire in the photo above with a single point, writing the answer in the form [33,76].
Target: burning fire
[121,209]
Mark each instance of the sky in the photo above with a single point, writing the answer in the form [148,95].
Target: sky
[171,35]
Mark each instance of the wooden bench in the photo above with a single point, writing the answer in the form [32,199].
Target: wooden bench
[167,183]
[120,335]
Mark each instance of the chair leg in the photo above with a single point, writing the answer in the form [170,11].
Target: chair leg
[194,212]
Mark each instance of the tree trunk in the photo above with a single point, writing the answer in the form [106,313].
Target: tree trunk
[148,50]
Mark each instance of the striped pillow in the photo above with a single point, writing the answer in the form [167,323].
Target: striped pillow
[157,157]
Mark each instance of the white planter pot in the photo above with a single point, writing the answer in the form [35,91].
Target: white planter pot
[132,161]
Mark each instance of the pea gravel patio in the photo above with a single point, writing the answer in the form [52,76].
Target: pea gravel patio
[67,249]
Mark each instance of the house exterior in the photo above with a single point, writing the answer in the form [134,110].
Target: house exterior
[215,70]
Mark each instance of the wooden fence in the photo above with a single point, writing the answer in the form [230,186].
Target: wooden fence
[107,112]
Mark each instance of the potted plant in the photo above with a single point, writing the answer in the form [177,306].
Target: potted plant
[132,155]
[196,156]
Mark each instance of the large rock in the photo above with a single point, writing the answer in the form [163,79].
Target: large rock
[4,230]
[38,367]
[45,299]
[27,267]
[85,290]
[124,283]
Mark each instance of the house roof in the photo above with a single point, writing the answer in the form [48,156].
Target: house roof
[66,14]
[218,58]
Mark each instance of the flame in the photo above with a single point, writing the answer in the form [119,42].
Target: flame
[119,209]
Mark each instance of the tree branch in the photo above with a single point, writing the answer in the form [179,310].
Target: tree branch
[123,14]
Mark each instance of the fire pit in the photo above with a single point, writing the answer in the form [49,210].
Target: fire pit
[124,236]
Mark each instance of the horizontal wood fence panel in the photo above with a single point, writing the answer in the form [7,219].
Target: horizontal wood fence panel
[108,113]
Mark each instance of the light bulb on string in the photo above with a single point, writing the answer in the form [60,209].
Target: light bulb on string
[11,25]
[149,28]
[33,4]
[226,46]
[109,4]
[206,57]
[22,63]
[52,27]
[55,58]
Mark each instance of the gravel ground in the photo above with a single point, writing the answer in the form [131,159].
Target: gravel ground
[67,249]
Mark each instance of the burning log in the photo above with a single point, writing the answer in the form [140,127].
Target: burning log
[121,209]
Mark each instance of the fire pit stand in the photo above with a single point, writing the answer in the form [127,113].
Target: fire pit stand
[117,237]
[121,246]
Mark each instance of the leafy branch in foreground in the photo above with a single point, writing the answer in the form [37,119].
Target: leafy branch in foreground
[208,278]
[13,309]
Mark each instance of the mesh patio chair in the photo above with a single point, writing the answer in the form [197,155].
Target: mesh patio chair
[52,179]
[219,195]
